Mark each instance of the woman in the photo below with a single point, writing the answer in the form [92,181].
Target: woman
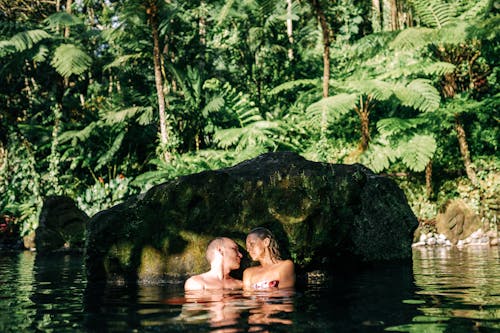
[272,271]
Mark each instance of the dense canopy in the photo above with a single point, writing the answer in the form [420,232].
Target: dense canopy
[101,99]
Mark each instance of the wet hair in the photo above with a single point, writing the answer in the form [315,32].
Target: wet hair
[264,233]
[214,244]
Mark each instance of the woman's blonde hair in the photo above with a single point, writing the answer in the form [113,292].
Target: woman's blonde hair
[264,233]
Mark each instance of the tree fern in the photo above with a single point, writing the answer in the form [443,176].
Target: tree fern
[70,59]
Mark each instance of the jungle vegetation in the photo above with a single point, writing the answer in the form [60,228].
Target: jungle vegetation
[102,99]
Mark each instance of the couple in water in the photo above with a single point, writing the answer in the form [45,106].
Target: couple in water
[224,256]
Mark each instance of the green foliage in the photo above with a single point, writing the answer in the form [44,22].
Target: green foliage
[236,85]
[70,59]
[399,140]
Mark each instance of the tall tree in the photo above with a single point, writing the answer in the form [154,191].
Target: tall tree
[151,7]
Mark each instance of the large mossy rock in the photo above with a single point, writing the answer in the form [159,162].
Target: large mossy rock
[321,214]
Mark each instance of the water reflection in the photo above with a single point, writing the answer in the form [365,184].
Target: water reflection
[444,290]
[458,290]
[232,311]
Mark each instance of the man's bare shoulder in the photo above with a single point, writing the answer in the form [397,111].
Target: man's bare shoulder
[195,282]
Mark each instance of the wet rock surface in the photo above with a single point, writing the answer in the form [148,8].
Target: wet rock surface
[321,214]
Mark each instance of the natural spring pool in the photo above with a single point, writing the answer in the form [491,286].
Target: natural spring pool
[444,290]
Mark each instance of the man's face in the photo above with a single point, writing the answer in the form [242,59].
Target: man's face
[232,255]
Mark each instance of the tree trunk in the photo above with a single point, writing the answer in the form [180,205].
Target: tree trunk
[394,15]
[69,3]
[376,16]
[428,180]
[464,150]
[363,112]
[289,28]
[327,37]
[152,11]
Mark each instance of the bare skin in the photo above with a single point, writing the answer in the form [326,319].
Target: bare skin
[224,257]
[270,268]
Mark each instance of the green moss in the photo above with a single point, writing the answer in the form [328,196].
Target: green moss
[152,264]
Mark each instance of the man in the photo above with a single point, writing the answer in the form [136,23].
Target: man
[223,256]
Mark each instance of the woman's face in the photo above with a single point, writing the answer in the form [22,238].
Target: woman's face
[256,247]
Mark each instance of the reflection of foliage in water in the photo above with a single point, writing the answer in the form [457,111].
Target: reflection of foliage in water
[458,289]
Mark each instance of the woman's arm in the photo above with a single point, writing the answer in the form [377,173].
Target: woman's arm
[287,274]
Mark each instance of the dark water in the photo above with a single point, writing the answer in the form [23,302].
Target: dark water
[444,291]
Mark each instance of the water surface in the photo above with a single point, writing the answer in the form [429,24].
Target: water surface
[444,290]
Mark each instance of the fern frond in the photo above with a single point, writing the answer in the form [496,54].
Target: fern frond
[62,19]
[122,60]
[116,117]
[417,152]
[434,13]
[23,41]
[290,85]
[41,54]
[419,94]
[214,105]
[69,59]
[412,38]
[393,126]
[334,106]
[110,153]
[228,137]
[81,135]
[377,157]
[377,89]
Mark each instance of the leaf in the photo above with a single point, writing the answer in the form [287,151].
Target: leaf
[419,94]
[69,59]
[23,41]
[62,19]
[417,152]
[434,13]
[392,126]
[333,107]
[290,85]
[110,153]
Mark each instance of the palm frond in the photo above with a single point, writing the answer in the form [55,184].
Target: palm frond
[70,59]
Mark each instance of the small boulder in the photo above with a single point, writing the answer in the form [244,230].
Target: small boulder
[457,221]
[61,227]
